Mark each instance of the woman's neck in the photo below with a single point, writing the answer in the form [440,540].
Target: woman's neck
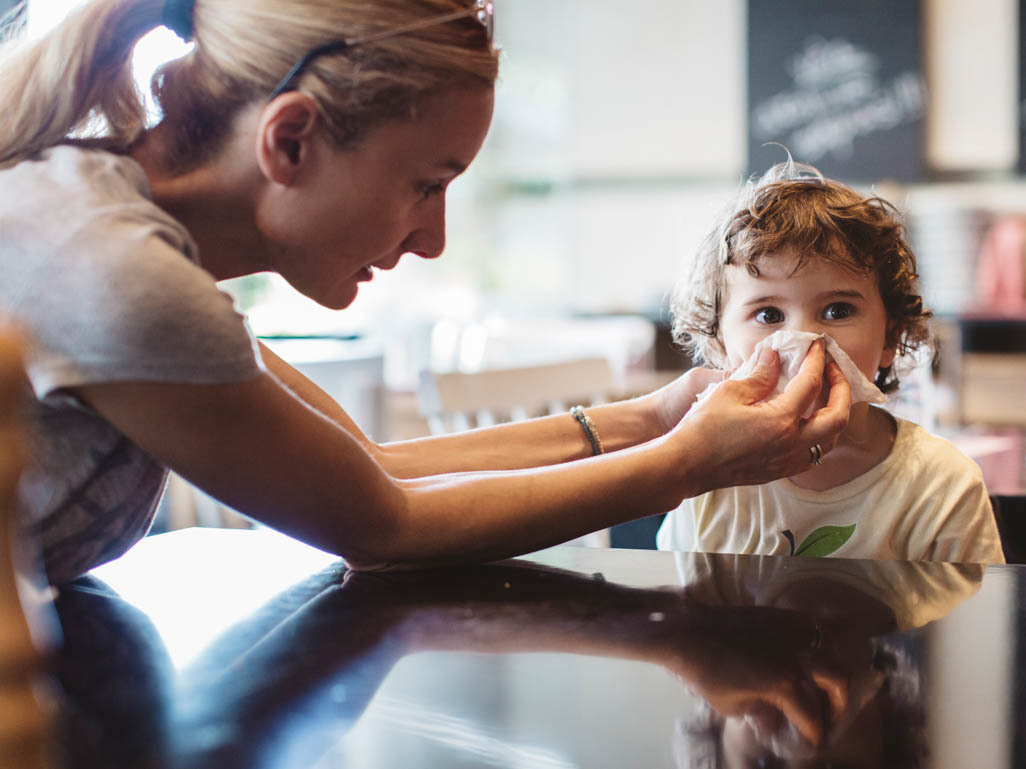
[214,201]
[865,443]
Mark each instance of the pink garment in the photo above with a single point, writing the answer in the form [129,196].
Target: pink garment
[1001,269]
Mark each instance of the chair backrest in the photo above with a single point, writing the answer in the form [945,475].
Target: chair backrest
[453,401]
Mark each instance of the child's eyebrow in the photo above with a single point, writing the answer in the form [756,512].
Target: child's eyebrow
[839,293]
[767,299]
[843,293]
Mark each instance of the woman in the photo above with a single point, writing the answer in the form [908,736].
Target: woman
[285,148]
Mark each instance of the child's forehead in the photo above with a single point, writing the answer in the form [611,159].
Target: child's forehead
[795,261]
[790,269]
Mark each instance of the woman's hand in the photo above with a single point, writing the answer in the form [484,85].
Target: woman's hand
[671,402]
[764,664]
[740,440]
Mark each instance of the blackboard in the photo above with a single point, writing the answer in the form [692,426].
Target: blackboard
[839,83]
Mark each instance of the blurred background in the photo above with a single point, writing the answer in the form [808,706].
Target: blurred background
[622,128]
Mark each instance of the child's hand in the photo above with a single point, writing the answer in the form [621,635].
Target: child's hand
[741,441]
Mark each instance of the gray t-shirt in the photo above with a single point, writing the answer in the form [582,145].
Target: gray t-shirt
[106,287]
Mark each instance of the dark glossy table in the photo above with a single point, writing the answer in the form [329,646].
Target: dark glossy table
[208,648]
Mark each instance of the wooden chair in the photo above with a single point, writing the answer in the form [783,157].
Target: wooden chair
[24,716]
[455,401]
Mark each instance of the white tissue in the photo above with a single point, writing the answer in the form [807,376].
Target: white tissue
[792,347]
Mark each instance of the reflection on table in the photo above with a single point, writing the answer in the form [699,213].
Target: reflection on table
[208,648]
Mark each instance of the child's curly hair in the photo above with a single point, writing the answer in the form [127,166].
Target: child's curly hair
[793,206]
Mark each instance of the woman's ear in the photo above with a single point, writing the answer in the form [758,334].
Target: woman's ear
[287,126]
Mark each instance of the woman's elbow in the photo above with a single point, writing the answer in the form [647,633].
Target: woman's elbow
[381,539]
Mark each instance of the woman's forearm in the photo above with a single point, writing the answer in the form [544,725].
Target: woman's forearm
[265,451]
[532,443]
[726,441]
[491,515]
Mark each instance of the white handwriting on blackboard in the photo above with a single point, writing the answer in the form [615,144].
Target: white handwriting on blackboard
[837,96]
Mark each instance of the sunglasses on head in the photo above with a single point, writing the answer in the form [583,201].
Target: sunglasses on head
[482,10]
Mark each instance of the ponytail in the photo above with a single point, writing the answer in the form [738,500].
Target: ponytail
[76,80]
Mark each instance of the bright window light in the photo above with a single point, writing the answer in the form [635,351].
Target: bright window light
[153,49]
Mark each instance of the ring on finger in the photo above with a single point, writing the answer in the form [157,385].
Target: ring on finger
[815,455]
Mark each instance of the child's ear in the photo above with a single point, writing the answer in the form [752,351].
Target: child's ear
[890,350]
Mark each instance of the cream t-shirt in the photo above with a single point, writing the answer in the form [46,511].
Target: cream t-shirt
[926,501]
[915,592]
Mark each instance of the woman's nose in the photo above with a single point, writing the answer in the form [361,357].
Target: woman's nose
[427,240]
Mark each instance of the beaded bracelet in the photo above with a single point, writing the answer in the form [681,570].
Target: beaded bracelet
[590,431]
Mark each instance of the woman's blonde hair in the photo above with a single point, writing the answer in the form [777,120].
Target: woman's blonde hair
[77,80]
[794,207]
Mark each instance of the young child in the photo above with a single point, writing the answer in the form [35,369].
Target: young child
[802,254]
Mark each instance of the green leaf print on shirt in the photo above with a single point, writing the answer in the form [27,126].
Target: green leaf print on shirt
[821,542]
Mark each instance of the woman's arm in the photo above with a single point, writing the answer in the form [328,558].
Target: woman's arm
[742,659]
[532,443]
[261,449]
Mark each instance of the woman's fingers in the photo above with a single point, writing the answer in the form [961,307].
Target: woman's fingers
[814,437]
[752,440]
[826,424]
[675,399]
[812,703]
[835,687]
[802,392]
[760,383]
[804,709]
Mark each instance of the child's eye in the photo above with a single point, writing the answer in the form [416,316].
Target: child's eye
[769,315]
[839,311]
